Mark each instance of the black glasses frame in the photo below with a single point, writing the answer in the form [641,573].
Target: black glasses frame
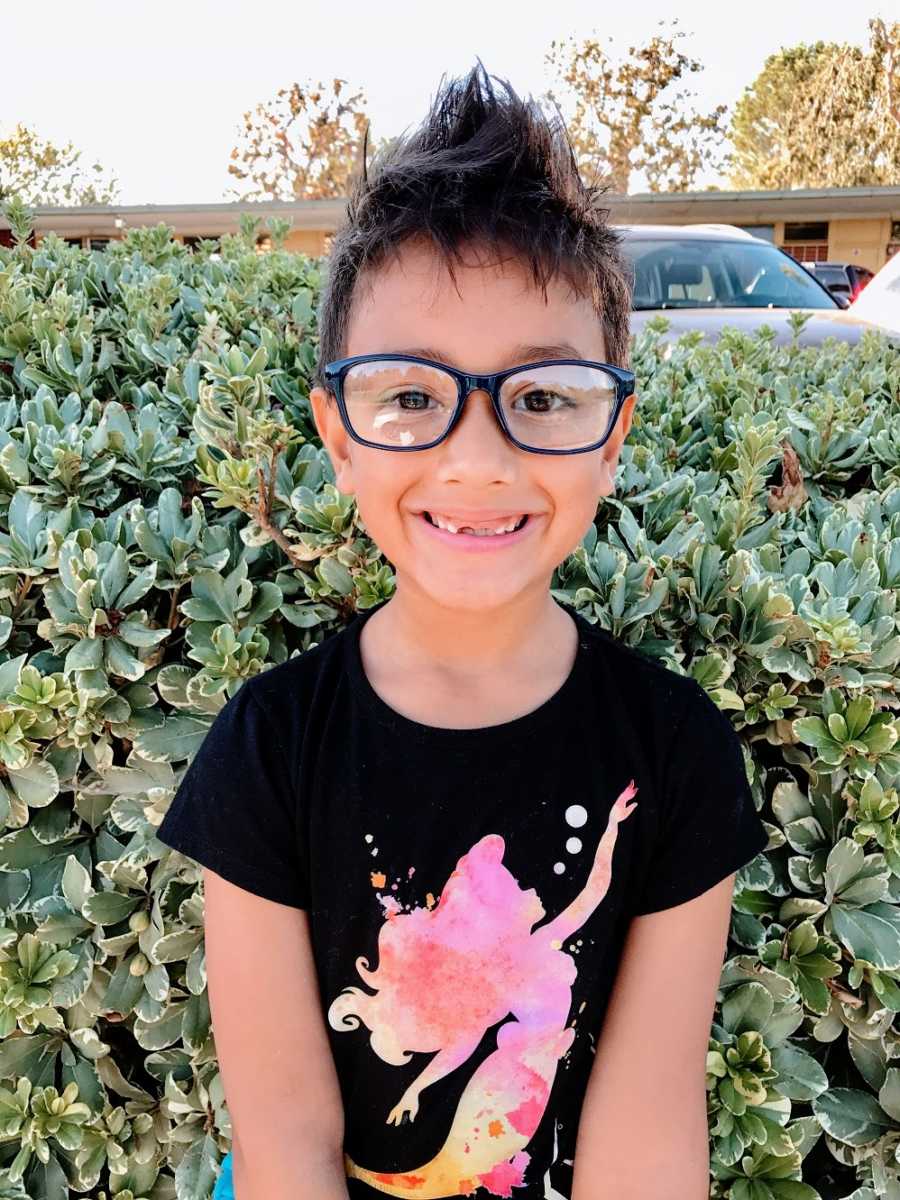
[334,373]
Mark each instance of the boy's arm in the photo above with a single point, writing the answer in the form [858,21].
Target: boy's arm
[643,1129]
[280,1083]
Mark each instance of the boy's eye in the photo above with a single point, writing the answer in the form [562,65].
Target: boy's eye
[543,401]
[410,401]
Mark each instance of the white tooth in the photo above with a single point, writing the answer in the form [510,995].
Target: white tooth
[484,532]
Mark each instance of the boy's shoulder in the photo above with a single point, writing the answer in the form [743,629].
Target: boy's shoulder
[638,679]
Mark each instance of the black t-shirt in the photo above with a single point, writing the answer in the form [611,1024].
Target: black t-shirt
[468,890]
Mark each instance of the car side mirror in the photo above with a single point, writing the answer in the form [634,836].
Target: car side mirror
[842,298]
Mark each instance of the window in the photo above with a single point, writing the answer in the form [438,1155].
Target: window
[806,241]
[98,243]
[807,251]
[73,241]
[194,239]
[806,231]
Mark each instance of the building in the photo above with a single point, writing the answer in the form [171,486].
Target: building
[855,225]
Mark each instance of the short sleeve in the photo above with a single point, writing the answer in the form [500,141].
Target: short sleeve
[235,809]
[709,826]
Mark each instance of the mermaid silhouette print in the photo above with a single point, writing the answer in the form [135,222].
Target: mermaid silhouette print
[445,975]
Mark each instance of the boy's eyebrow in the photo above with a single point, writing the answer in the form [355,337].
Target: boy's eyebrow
[521,354]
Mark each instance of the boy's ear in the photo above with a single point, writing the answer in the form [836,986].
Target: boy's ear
[612,448]
[334,437]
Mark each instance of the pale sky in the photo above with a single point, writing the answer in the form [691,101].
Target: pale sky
[156,91]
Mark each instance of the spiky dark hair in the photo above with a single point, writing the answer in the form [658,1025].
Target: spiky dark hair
[489,169]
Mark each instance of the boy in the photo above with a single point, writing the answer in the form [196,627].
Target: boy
[449,847]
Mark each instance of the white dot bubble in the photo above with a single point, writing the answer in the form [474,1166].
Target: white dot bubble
[559,868]
[576,815]
[375,851]
[573,845]
[370,837]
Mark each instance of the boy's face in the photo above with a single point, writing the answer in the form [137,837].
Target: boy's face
[411,304]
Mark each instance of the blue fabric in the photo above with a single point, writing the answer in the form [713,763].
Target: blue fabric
[224,1189]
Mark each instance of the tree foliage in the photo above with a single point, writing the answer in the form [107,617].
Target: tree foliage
[821,115]
[304,144]
[630,113]
[38,172]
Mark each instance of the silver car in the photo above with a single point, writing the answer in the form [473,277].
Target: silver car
[707,277]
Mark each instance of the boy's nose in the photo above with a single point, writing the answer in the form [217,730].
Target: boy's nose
[478,418]
[478,450]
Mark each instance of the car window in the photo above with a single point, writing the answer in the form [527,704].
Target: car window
[829,275]
[705,273]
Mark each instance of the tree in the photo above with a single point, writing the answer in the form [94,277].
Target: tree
[40,173]
[625,115]
[303,145]
[821,115]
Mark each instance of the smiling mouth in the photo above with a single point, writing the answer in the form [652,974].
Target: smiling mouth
[477,532]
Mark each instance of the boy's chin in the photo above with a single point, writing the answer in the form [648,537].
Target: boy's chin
[473,595]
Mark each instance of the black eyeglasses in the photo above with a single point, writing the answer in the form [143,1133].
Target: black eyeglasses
[554,406]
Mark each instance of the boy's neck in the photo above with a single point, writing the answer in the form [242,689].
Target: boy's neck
[459,643]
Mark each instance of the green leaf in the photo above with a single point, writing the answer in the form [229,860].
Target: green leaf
[36,785]
[747,1008]
[179,738]
[336,575]
[139,586]
[870,933]
[889,1093]
[800,1077]
[119,662]
[85,655]
[109,908]
[851,1116]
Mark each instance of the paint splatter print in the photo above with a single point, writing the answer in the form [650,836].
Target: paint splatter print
[445,975]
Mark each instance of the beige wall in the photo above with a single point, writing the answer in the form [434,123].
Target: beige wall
[861,242]
[306,241]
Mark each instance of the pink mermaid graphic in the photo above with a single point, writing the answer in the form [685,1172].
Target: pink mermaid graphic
[447,974]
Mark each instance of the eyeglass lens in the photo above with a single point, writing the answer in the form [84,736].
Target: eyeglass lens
[563,406]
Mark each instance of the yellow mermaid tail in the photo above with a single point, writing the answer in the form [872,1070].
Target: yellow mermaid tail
[497,1116]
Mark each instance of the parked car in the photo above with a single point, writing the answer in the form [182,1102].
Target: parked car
[845,280]
[880,302]
[710,276]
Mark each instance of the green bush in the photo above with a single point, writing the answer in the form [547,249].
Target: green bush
[169,527]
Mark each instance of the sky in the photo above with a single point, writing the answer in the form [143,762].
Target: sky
[156,91]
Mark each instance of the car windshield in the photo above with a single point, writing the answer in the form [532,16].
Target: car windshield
[704,273]
[832,275]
